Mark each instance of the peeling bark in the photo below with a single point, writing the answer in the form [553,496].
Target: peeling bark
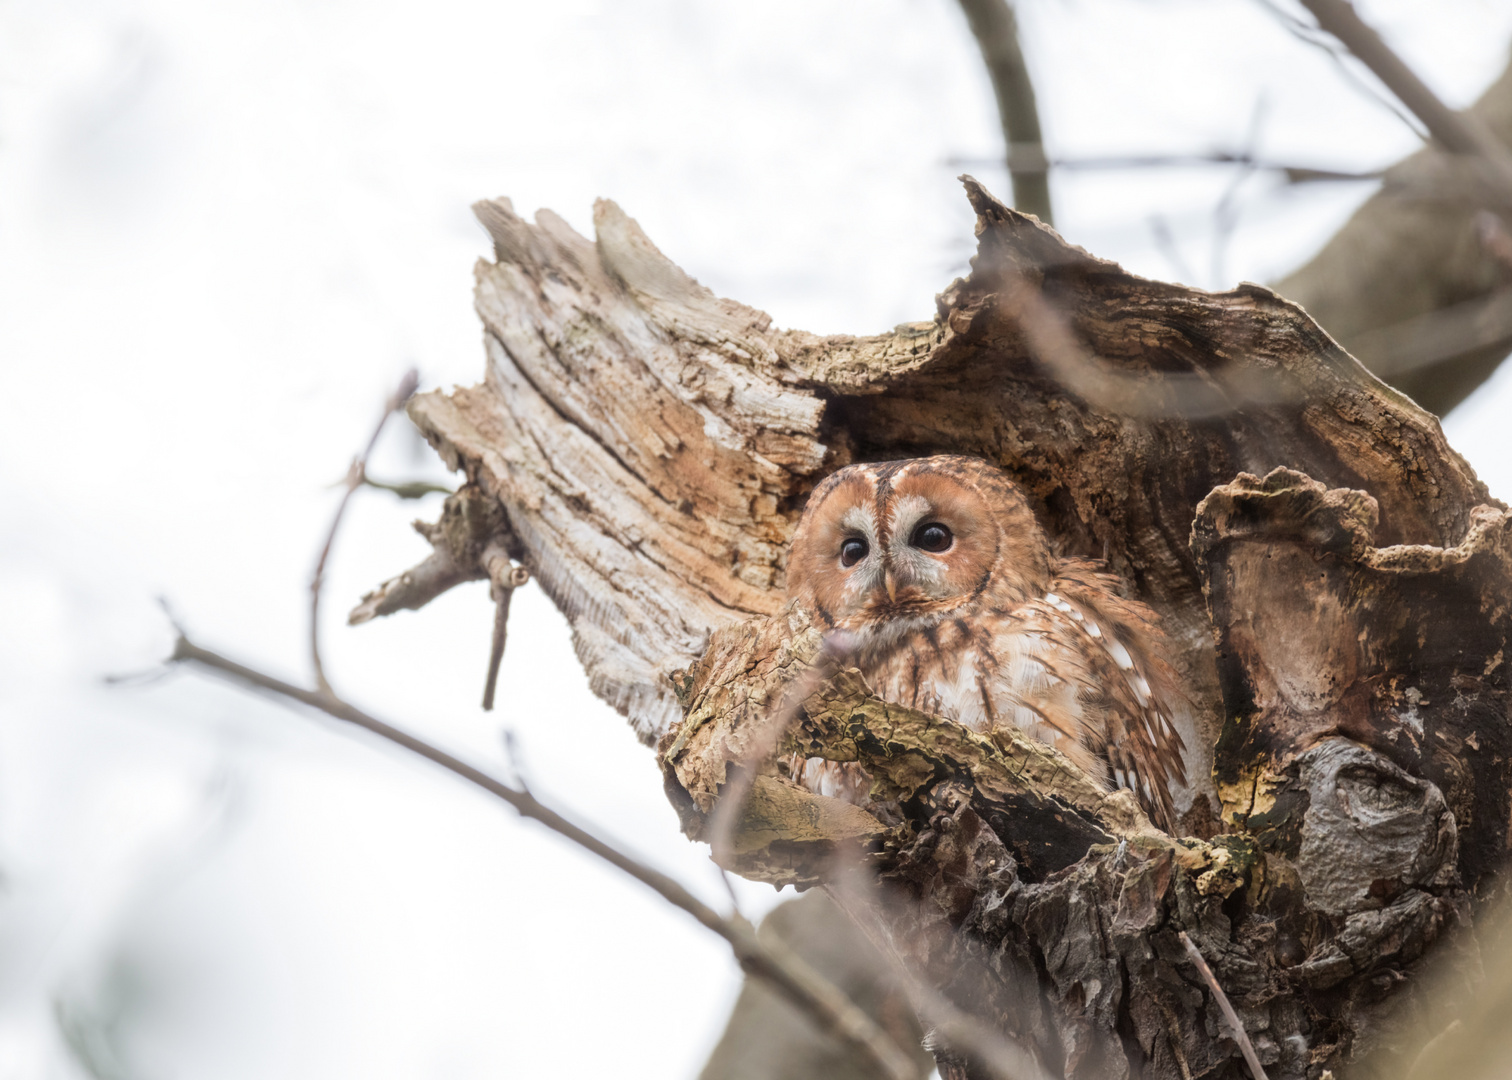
[1340,624]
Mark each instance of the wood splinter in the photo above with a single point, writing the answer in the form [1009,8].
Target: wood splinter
[504,578]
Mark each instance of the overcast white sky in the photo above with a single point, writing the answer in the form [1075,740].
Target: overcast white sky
[226,228]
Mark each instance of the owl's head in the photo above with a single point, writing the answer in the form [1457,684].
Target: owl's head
[884,548]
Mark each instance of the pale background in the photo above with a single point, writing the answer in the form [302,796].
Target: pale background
[226,228]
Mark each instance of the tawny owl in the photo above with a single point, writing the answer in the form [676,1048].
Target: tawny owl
[952,602]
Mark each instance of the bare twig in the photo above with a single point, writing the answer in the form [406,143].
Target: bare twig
[1165,242]
[1241,1037]
[831,1008]
[496,647]
[1226,212]
[729,884]
[1337,54]
[1294,174]
[505,578]
[1457,132]
[411,489]
[416,587]
[995,28]
[354,479]
[472,523]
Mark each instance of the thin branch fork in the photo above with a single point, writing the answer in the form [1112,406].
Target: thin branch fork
[356,476]
[830,1007]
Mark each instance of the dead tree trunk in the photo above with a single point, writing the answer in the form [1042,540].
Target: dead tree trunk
[1334,574]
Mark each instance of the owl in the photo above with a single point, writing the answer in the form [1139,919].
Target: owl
[951,600]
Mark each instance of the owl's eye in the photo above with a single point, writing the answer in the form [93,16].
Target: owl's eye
[931,536]
[853,551]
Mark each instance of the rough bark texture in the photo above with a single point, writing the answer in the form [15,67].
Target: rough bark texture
[1332,574]
[1413,284]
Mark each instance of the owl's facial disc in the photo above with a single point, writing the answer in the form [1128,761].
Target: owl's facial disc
[886,549]
[930,552]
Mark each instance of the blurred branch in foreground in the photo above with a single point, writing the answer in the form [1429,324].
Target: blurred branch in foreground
[410,489]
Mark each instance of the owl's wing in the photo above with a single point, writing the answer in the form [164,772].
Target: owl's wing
[1084,670]
[1144,748]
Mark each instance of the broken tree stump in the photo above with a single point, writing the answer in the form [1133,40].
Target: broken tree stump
[1333,576]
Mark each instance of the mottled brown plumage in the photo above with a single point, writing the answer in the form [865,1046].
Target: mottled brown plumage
[950,599]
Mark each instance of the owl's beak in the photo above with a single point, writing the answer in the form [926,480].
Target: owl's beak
[891,581]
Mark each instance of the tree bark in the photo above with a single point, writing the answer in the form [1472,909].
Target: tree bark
[1332,574]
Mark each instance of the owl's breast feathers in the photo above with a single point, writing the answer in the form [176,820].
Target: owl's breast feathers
[1079,668]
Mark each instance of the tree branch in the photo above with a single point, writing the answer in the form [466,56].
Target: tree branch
[1456,132]
[472,524]
[995,28]
[409,489]
[505,578]
[354,480]
[786,971]
[1294,174]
